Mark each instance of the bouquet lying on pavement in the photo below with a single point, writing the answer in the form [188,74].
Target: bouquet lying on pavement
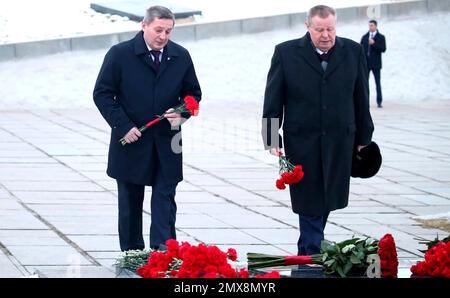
[353,257]
[190,106]
[289,173]
[431,243]
[186,261]
[133,259]
[437,259]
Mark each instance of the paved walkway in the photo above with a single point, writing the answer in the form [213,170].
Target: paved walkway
[58,209]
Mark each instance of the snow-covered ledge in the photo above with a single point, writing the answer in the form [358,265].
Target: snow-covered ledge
[199,31]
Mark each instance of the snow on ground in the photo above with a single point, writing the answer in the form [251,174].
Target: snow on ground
[435,216]
[416,67]
[239,9]
[25,20]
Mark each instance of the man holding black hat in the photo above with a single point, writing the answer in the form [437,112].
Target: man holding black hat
[318,85]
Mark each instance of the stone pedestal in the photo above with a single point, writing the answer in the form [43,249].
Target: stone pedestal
[135,9]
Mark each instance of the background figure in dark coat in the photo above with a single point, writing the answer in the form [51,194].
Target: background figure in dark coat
[318,85]
[139,79]
[374,43]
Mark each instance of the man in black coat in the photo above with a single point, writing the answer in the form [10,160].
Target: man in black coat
[139,79]
[318,85]
[374,43]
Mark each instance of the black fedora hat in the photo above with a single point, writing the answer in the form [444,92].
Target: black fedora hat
[367,161]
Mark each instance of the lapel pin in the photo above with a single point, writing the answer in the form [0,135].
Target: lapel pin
[168,58]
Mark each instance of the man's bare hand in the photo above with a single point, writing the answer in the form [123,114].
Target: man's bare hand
[175,119]
[276,151]
[371,41]
[359,147]
[133,135]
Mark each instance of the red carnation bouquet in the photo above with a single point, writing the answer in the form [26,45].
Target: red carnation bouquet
[289,173]
[190,105]
[353,257]
[437,261]
[193,261]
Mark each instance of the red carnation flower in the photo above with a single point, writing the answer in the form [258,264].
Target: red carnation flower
[192,261]
[388,256]
[243,273]
[289,173]
[191,105]
[232,254]
[437,262]
[280,184]
[272,274]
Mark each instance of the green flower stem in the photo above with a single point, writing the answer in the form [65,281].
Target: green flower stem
[179,109]
[285,165]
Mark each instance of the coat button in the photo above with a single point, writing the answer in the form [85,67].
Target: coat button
[324,133]
[324,107]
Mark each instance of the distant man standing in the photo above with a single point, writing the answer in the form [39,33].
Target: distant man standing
[374,43]
[140,78]
[317,88]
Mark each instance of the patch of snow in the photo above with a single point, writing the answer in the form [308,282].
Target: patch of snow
[416,67]
[445,216]
[27,20]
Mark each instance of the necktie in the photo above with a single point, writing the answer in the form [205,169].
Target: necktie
[324,58]
[156,60]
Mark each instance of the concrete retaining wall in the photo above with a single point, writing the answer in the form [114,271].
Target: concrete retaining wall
[200,31]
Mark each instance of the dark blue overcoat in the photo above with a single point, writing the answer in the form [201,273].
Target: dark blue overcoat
[129,92]
[379,47]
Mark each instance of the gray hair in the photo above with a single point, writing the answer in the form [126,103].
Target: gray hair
[159,12]
[322,11]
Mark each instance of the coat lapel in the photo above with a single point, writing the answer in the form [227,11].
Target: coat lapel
[169,56]
[336,57]
[308,53]
[141,50]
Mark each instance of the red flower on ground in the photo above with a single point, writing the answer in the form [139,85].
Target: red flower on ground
[173,248]
[272,274]
[243,273]
[437,262]
[388,256]
[157,265]
[193,261]
[232,254]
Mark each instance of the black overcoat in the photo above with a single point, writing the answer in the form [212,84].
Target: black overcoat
[129,92]
[323,114]
[374,59]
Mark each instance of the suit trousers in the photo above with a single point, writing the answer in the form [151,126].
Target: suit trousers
[163,213]
[311,233]
[377,76]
